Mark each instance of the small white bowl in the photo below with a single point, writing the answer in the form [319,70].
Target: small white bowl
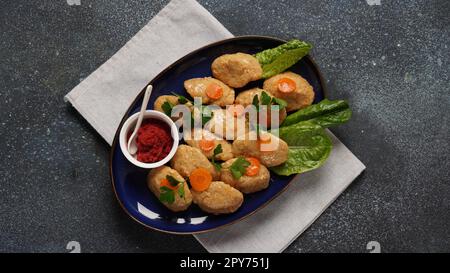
[128,128]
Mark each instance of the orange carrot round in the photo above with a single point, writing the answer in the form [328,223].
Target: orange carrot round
[200,179]
[264,138]
[286,85]
[166,183]
[265,143]
[206,144]
[214,91]
[254,167]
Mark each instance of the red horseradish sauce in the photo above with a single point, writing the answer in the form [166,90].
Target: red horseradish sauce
[154,141]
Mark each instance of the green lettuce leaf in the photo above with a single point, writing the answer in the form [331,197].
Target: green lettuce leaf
[309,148]
[303,131]
[276,60]
[326,113]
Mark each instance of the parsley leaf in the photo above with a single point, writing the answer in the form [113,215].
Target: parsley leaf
[265,98]
[173,182]
[167,108]
[181,190]
[217,165]
[255,102]
[239,167]
[282,103]
[207,114]
[192,119]
[216,152]
[167,195]
[181,99]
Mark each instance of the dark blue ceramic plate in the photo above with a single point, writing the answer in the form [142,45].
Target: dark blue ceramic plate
[129,181]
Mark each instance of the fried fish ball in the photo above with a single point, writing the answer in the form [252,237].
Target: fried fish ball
[211,91]
[269,149]
[208,143]
[155,180]
[226,125]
[292,88]
[188,158]
[245,98]
[236,70]
[173,100]
[219,198]
[246,183]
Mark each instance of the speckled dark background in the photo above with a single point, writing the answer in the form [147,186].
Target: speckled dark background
[391,61]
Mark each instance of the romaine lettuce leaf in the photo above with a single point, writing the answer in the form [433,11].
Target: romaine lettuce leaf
[325,113]
[309,147]
[276,60]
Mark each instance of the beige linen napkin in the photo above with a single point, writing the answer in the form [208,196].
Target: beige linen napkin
[180,27]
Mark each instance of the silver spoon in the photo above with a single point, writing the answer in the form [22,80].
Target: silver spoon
[132,146]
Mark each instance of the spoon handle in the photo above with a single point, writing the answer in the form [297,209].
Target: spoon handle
[145,100]
[132,148]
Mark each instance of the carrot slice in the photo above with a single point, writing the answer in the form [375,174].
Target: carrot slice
[286,85]
[254,167]
[214,91]
[166,183]
[200,179]
[206,144]
[265,143]
[236,110]
[264,138]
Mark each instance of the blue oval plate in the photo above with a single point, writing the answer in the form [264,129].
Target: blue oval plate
[129,181]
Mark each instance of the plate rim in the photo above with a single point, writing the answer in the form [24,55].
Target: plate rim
[140,94]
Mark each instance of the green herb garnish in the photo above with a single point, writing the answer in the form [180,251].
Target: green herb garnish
[216,152]
[167,195]
[207,114]
[167,108]
[265,98]
[255,102]
[172,181]
[239,167]
[282,103]
[181,191]
[181,99]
